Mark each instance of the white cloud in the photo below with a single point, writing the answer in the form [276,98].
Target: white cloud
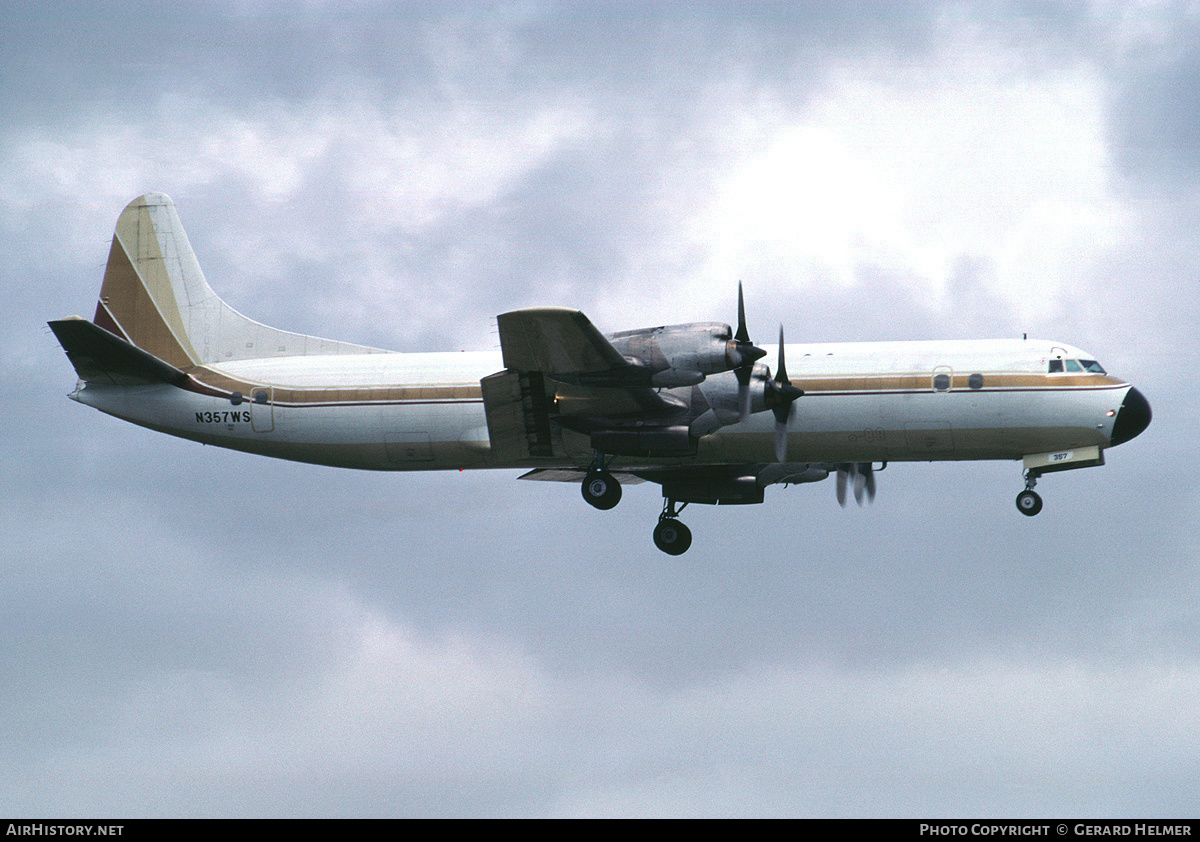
[913,169]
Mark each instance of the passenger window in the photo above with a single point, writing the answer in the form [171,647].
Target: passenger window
[941,382]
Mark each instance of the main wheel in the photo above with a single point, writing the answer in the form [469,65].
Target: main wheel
[672,537]
[1029,502]
[601,490]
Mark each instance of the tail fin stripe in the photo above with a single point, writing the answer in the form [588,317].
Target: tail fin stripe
[154,297]
[139,296]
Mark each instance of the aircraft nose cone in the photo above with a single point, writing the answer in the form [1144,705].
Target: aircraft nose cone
[1132,417]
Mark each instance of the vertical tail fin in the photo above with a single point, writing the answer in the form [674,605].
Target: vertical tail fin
[155,296]
[146,278]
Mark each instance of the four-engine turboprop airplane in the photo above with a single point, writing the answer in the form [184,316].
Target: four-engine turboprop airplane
[689,407]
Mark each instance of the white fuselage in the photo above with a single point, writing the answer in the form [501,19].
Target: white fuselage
[863,402]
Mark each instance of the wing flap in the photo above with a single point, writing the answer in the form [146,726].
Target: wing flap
[561,372]
[518,415]
[574,475]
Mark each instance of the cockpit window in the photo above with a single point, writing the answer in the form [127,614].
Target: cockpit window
[1090,366]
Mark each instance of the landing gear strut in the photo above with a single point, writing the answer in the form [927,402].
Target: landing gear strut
[1029,502]
[671,536]
[600,488]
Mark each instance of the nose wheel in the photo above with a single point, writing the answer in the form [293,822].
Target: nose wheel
[1029,502]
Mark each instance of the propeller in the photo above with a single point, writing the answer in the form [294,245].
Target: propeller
[779,395]
[863,476]
[743,353]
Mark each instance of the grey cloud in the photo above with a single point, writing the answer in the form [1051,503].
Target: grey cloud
[1157,114]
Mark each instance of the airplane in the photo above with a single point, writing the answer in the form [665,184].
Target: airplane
[690,407]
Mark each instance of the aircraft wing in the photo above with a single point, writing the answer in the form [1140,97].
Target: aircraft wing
[557,342]
[558,367]
[725,484]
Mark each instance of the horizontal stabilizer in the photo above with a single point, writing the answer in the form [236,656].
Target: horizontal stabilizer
[100,356]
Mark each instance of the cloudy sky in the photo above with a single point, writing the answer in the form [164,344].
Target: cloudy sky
[194,632]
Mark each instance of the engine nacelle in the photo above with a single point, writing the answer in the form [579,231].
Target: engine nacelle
[714,490]
[723,392]
[645,441]
[723,395]
[683,355]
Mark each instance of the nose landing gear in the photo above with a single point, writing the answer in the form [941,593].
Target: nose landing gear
[1029,502]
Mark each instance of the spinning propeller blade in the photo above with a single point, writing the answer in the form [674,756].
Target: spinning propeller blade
[863,476]
[743,335]
[780,394]
[743,353]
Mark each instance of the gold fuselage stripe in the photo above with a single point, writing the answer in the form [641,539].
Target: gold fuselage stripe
[209,381]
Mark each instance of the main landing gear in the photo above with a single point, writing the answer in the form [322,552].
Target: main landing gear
[601,490]
[671,536]
[1029,502]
